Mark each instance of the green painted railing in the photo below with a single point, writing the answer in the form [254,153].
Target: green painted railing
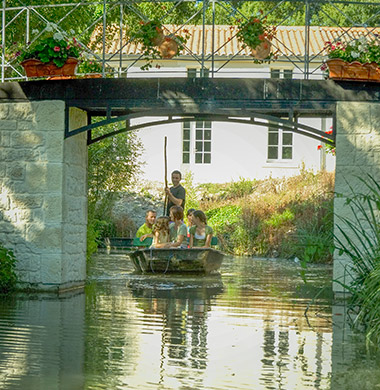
[148,241]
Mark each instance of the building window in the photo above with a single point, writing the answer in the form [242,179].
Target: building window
[203,142]
[281,73]
[280,144]
[287,73]
[186,142]
[196,142]
[192,73]
[275,73]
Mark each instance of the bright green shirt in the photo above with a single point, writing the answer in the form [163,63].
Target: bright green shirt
[144,229]
[197,240]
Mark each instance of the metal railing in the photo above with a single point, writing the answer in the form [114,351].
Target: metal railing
[105,31]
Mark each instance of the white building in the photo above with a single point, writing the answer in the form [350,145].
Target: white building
[219,151]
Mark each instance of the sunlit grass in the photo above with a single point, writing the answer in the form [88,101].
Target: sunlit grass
[286,217]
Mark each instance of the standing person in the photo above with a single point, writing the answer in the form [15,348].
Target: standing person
[200,233]
[146,230]
[161,233]
[178,230]
[176,194]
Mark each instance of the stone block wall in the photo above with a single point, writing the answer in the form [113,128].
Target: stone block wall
[358,154]
[43,193]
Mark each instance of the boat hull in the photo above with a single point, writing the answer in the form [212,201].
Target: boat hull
[195,260]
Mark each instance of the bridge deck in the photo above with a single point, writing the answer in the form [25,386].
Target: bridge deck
[121,96]
[199,99]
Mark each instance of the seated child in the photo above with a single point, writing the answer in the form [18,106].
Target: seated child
[189,216]
[161,233]
[200,233]
[178,230]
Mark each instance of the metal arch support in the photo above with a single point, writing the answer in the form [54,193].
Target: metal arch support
[243,117]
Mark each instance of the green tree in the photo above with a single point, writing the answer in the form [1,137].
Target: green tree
[293,13]
[112,163]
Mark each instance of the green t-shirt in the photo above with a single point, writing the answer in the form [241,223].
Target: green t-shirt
[197,240]
[180,231]
[144,229]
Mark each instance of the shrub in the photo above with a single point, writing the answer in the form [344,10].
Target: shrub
[97,230]
[92,240]
[104,228]
[278,219]
[224,221]
[124,226]
[241,188]
[288,217]
[223,217]
[191,192]
[8,277]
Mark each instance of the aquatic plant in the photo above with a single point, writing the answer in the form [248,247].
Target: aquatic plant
[359,240]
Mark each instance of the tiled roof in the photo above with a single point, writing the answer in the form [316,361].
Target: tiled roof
[288,40]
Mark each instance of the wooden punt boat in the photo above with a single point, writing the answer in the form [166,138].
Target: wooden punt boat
[195,260]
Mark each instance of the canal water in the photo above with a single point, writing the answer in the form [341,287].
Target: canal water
[244,328]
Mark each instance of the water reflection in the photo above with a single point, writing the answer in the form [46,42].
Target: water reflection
[181,306]
[243,329]
[41,342]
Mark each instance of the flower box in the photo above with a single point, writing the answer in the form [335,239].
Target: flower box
[36,68]
[343,70]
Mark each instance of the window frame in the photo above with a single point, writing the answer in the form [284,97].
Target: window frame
[280,145]
[196,135]
[277,73]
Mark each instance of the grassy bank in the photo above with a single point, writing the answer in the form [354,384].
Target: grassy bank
[288,217]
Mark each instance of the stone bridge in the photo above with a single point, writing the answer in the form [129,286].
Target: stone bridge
[46,126]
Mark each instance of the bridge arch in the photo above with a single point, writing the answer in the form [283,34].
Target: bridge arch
[177,116]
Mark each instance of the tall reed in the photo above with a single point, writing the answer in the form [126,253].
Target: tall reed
[359,240]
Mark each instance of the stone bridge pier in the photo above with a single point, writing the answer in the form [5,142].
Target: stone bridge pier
[43,193]
[357,156]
